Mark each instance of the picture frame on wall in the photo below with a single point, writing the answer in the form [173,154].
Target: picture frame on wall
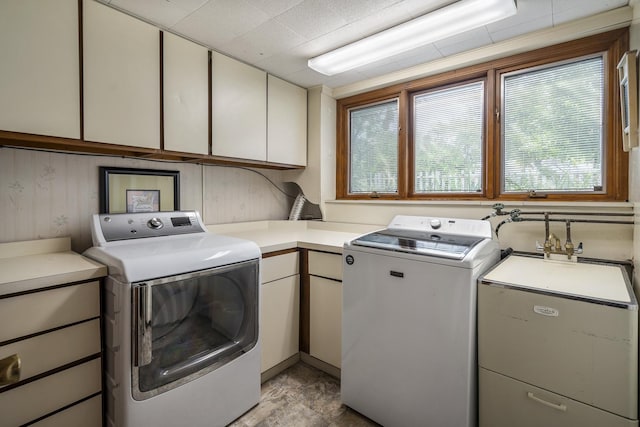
[124,190]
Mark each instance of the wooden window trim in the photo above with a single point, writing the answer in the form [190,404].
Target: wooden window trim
[613,43]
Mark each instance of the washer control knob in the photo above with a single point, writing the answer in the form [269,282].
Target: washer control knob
[435,224]
[155,223]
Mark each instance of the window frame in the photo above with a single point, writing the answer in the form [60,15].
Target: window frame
[612,44]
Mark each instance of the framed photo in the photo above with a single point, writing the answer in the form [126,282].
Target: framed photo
[138,190]
[143,200]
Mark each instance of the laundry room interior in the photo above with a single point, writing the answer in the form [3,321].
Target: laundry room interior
[257,213]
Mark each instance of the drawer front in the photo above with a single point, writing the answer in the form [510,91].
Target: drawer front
[45,352]
[565,344]
[325,320]
[277,267]
[505,402]
[31,313]
[84,414]
[325,265]
[279,320]
[33,400]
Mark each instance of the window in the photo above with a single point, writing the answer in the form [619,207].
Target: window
[448,139]
[545,123]
[374,148]
[552,128]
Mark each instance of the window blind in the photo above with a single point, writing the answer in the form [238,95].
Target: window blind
[373,148]
[448,139]
[552,126]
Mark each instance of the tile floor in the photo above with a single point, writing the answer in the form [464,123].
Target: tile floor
[302,396]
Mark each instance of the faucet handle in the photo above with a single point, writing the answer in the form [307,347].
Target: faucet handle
[539,247]
[578,250]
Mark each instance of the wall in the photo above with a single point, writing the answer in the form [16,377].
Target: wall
[46,194]
[634,158]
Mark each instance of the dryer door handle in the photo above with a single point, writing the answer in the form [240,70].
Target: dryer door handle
[142,303]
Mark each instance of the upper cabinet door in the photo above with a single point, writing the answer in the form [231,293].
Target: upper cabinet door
[186,95]
[121,78]
[239,109]
[287,123]
[39,67]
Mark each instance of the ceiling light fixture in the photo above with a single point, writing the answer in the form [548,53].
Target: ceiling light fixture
[456,18]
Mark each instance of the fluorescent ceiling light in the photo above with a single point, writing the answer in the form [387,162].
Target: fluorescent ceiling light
[456,18]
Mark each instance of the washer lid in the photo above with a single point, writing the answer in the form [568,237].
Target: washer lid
[420,242]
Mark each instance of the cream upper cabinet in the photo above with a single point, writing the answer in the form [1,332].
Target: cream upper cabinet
[121,78]
[239,109]
[286,123]
[40,84]
[186,95]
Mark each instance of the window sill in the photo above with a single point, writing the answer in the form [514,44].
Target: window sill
[462,203]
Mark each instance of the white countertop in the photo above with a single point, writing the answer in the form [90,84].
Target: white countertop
[273,236]
[591,281]
[35,264]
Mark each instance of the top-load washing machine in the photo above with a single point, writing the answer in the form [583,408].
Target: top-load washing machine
[409,320]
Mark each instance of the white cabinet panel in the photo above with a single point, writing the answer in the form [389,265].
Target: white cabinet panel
[279,320]
[325,320]
[32,313]
[46,352]
[325,265]
[505,402]
[38,398]
[121,78]
[239,109]
[186,99]
[85,414]
[277,267]
[40,84]
[287,123]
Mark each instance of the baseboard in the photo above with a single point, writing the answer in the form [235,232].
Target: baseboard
[317,363]
[275,370]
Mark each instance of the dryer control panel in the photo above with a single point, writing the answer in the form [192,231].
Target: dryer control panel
[137,225]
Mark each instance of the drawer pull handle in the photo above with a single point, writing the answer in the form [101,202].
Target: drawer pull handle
[10,370]
[560,407]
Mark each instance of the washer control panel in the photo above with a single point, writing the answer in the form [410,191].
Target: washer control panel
[124,226]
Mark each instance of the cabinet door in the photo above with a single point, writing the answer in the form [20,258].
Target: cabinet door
[325,320]
[506,402]
[186,101]
[279,320]
[121,78]
[239,109]
[287,123]
[40,84]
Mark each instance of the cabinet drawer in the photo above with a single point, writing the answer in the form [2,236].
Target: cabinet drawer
[565,351]
[31,313]
[277,267]
[84,414]
[325,265]
[505,402]
[33,400]
[325,320]
[280,320]
[43,353]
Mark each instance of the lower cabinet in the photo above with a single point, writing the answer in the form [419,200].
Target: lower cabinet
[55,335]
[506,402]
[280,311]
[325,320]
[325,307]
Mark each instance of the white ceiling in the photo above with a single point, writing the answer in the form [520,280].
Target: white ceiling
[279,36]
